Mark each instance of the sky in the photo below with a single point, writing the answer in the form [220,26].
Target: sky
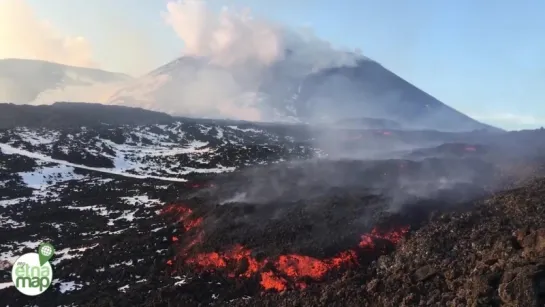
[484,58]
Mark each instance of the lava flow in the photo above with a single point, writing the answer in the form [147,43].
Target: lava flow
[275,273]
[394,236]
[183,214]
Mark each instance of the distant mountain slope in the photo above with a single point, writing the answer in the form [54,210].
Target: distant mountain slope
[371,90]
[290,92]
[40,82]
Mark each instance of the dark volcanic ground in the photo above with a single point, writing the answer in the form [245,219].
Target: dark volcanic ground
[459,224]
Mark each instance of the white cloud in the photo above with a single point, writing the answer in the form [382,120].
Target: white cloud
[24,35]
[233,37]
[227,37]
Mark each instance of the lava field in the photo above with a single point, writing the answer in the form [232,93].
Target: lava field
[193,214]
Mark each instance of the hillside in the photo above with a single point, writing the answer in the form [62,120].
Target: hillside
[148,209]
[40,82]
[68,114]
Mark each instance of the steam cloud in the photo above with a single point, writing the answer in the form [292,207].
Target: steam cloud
[227,38]
[231,37]
[233,55]
[23,35]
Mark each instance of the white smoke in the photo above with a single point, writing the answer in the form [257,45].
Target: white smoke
[229,37]
[231,56]
[226,37]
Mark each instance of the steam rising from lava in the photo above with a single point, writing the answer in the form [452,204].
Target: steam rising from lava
[309,222]
[397,181]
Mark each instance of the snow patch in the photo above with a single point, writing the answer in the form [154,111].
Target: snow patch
[7,149]
[47,175]
[69,253]
[246,130]
[14,253]
[67,286]
[4,285]
[141,200]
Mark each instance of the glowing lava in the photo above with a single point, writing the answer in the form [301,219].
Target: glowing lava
[276,273]
[238,262]
[184,215]
[394,236]
[192,224]
[269,281]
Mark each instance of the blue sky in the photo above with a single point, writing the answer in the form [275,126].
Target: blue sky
[484,58]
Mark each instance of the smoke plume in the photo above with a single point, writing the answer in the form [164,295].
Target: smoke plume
[229,37]
[234,64]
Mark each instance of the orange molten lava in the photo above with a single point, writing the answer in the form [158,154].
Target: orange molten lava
[183,213]
[177,209]
[209,260]
[394,236]
[239,259]
[239,263]
[280,273]
[298,266]
[192,224]
[269,281]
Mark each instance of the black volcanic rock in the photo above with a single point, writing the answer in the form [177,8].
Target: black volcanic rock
[69,114]
[117,247]
[466,258]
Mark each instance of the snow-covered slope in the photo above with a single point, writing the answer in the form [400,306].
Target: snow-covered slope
[108,180]
[290,91]
[165,152]
[39,82]
[111,180]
